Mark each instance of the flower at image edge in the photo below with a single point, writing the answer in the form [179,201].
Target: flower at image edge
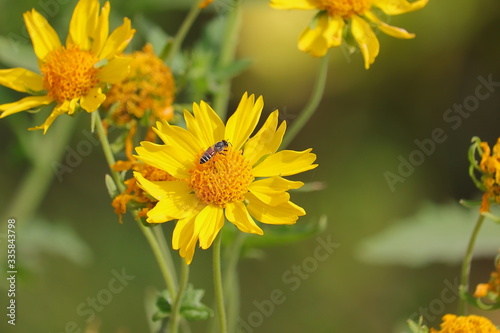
[71,75]
[465,324]
[335,16]
[242,183]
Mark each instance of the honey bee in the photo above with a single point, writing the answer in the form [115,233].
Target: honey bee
[218,148]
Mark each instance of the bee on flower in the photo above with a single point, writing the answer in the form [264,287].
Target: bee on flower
[242,184]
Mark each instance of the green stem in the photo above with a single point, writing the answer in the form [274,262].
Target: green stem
[167,272]
[312,104]
[108,153]
[176,306]
[171,50]
[166,269]
[232,293]
[227,55]
[464,278]
[167,254]
[219,296]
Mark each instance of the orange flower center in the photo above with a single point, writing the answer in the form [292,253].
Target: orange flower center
[223,179]
[69,73]
[472,323]
[343,8]
[150,86]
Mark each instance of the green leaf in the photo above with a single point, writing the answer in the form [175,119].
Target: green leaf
[111,186]
[435,234]
[418,327]
[191,308]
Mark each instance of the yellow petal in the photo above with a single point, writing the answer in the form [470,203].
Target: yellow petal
[21,79]
[180,138]
[43,36]
[326,32]
[24,104]
[184,238]
[175,200]
[237,214]
[205,124]
[366,39]
[65,107]
[92,100]
[243,121]
[101,32]
[208,224]
[292,4]
[285,163]
[166,158]
[83,23]
[117,41]
[272,191]
[115,70]
[285,213]
[266,141]
[388,29]
[396,7]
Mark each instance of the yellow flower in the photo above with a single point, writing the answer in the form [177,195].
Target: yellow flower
[490,165]
[465,324]
[71,75]
[149,87]
[357,16]
[244,181]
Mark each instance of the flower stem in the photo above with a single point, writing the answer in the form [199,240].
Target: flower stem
[167,272]
[166,266]
[464,279]
[232,293]
[312,104]
[219,297]
[171,50]
[176,306]
[108,153]
[227,54]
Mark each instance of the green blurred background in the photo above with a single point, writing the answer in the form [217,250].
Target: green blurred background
[366,119]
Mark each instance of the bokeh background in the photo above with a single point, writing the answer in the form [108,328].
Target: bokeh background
[367,119]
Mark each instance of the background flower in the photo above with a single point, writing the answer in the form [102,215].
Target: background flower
[356,16]
[72,75]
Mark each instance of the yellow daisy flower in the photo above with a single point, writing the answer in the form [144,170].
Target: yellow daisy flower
[221,172]
[71,75]
[465,324]
[327,29]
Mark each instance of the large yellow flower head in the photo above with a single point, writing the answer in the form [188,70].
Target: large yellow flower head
[221,172]
[490,166]
[71,75]
[335,16]
[465,324]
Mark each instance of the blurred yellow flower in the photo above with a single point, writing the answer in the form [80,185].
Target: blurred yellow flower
[356,16]
[149,87]
[222,172]
[492,288]
[465,324]
[490,165]
[71,75]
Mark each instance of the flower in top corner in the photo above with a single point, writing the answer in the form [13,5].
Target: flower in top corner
[337,19]
[72,75]
[222,173]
